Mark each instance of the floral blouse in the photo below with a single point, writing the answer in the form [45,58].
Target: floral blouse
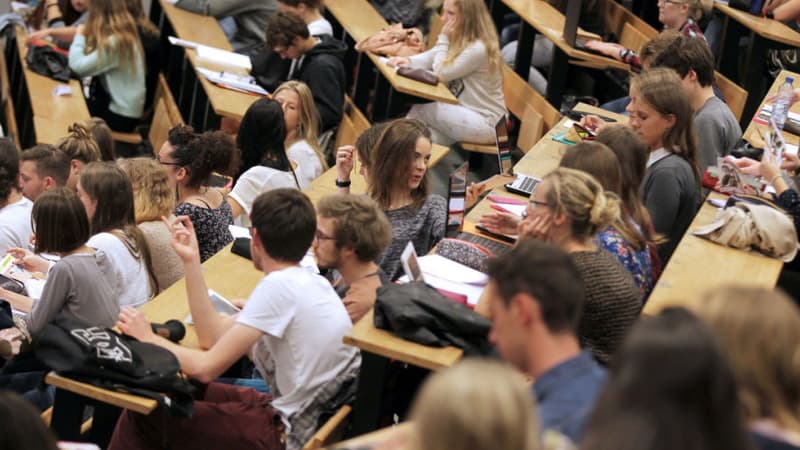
[637,262]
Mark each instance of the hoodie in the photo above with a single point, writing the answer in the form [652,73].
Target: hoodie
[322,69]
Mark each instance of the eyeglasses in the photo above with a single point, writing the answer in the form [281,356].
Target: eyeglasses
[320,236]
[664,2]
[533,204]
[167,163]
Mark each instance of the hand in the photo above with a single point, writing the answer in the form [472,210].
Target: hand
[399,61]
[344,162]
[535,228]
[795,97]
[79,30]
[593,123]
[474,190]
[360,299]
[770,5]
[746,165]
[500,222]
[790,161]
[607,48]
[449,29]
[184,239]
[769,167]
[40,35]
[135,324]
[29,260]
[239,302]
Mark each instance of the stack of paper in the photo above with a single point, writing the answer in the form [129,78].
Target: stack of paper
[446,274]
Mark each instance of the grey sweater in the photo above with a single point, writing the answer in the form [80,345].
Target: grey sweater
[717,130]
[672,197]
[424,227]
[250,16]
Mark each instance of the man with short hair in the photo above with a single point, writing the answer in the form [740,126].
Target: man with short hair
[716,127]
[316,61]
[351,233]
[42,168]
[535,295]
[291,326]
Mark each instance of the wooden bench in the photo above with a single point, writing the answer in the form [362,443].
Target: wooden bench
[331,432]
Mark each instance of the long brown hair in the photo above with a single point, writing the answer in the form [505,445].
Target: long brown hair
[111,18]
[661,88]
[475,23]
[390,162]
[309,119]
[108,185]
[600,162]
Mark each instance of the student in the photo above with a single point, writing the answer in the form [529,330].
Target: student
[101,134]
[661,115]
[265,163]
[250,17]
[717,129]
[80,148]
[293,324]
[569,208]
[505,419]
[108,48]
[351,233]
[309,11]
[15,209]
[189,160]
[152,200]
[300,118]
[149,36]
[316,61]
[42,168]
[623,239]
[672,387]
[394,160]
[466,57]
[22,427]
[535,315]
[81,284]
[107,195]
[63,18]
[759,330]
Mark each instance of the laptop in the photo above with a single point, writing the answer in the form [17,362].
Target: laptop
[522,184]
[456,202]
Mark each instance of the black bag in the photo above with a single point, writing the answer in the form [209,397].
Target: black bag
[751,6]
[107,359]
[269,69]
[13,285]
[46,61]
[415,311]
[6,316]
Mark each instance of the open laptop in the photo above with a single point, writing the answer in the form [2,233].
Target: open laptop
[456,202]
[522,184]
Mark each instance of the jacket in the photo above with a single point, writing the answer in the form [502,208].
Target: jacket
[322,69]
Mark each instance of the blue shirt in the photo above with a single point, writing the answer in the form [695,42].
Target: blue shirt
[565,394]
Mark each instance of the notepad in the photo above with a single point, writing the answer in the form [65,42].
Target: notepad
[230,80]
[221,304]
[224,58]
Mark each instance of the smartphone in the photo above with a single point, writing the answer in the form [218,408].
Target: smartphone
[584,133]
[220,181]
[578,115]
[498,236]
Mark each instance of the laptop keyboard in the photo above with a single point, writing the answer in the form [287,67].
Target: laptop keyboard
[525,183]
[495,247]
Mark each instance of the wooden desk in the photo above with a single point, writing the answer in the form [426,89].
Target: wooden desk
[764,34]
[362,25]
[545,19]
[699,265]
[753,130]
[201,102]
[43,118]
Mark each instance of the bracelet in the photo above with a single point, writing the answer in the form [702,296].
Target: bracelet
[52,4]
[772,181]
[342,184]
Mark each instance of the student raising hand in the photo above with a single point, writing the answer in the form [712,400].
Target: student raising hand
[184,239]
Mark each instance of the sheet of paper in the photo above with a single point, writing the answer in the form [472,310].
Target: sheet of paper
[222,57]
[182,42]
[447,269]
[239,232]
[513,209]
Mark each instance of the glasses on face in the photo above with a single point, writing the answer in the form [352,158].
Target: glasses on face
[532,204]
[167,163]
[320,236]
[664,2]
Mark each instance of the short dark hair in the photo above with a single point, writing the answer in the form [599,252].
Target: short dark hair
[50,162]
[283,28]
[687,54]
[9,167]
[286,223]
[360,224]
[59,221]
[203,154]
[546,273]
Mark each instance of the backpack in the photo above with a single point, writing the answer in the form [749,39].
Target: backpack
[109,360]
[393,41]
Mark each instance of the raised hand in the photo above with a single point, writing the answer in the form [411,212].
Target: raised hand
[184,239]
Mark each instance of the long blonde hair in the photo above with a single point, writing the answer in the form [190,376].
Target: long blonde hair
[109,18]
[152,196]
[475,23]
[760,331]
[455,411]
[309,119]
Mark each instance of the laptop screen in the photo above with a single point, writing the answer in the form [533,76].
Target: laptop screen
[456,199]
[503,148]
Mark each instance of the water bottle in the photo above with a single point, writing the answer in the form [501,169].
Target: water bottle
[780,109]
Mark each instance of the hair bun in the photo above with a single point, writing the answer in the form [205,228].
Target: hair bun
[605,209]
[79,131]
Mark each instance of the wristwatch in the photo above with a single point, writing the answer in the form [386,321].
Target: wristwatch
[770,15]
[342,184]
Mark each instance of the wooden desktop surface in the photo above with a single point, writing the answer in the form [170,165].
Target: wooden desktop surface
[52,114]
[205,30]
[548,21]
[368,22]
[766,28]
[753,132]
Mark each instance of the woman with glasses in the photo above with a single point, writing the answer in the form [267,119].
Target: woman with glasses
[569,208]
[190,160]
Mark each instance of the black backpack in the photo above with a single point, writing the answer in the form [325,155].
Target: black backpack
[107,359]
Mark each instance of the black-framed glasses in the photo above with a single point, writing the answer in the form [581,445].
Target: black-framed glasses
[319,235]
[532,203]
[167,163]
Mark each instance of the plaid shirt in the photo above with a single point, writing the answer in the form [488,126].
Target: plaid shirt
[689,29]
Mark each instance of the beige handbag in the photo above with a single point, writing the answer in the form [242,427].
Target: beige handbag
[750,226]
[393,41]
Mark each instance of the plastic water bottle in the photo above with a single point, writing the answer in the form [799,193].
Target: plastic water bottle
[780,109]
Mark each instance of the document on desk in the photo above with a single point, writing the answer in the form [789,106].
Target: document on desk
[446,274]
[242,83]
[219,57]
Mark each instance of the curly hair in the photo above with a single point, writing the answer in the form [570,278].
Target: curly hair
[152,197]
[203,154]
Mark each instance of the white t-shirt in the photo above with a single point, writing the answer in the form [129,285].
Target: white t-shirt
[320,27]
[15,225]
[303,321]
[309,167]
[133,283]
[257,180]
